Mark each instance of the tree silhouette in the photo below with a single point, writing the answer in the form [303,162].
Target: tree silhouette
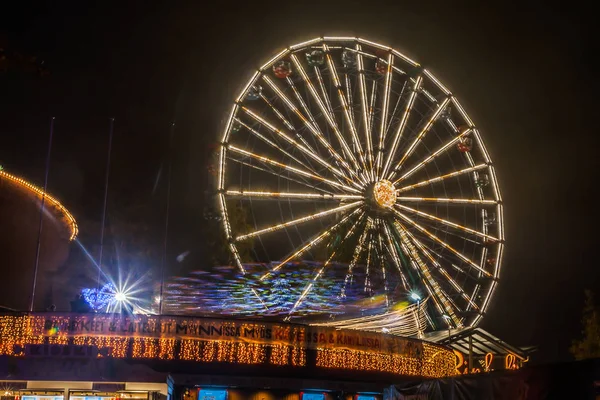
[589,344]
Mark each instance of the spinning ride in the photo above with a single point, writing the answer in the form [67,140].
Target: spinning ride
[347,152]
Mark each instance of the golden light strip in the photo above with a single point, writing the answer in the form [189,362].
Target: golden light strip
[347,113]
[436,288]
[442,177]
[422,134]
[289,168]
[309,152]
[306,290]
[446,222]
[51,200]
[355,257]
[384,111]
[402,126]
[270,142]
[281,117]
[310,123]
[440,241]
[442,270]
[322,106]
[433,156]
[371,118]
[363,102]
[447,200]
[298,221]
[265,170]
[334,124]
[292,195]
[395,256]
[436,81]
[382,263]
[311,243]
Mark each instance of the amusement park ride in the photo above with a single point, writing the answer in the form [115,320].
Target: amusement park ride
[350,154]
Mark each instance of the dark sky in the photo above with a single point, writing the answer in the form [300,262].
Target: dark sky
[525,75]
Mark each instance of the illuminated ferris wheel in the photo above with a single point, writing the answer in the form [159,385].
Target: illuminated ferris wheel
[348,152]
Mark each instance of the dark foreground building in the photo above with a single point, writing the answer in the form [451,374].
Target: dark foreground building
[59,356]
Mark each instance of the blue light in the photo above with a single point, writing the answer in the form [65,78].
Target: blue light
[212,394]
[415,296]
[313,396]
[100,299]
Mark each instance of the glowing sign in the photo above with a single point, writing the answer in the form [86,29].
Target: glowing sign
[212,394]
[313,396]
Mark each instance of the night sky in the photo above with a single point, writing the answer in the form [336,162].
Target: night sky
[525,75]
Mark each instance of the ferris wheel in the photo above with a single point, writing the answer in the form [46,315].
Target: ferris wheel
[348,152]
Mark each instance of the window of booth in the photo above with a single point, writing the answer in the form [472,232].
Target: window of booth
[313,396]
[41,397]
[40,394]
[365,397]
[212,394]
[92,395]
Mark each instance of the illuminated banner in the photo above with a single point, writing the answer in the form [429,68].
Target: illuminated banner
[218,329]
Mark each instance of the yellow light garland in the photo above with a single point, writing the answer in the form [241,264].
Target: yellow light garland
[426,359]
[51,200]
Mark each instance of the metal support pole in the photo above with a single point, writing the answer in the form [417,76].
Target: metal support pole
[164,258]
[470,353]
[110,137]
[41,223]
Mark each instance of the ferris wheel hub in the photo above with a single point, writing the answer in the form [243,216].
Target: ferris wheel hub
[384,193]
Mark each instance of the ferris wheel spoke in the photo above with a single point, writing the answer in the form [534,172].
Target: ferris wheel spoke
[433,156]
[268,171]
[227,226]
[313,127]
[316,240]
[365,109]
[294,170]
[356,256]
[371,123]
[248,194]
[442,177]
[400,130]
[306,151]
[350,98]
[271,143]
[421,134]
[328,116]
[288,124]
[442,270]
[434,288]
[446,200]
[384,113]
[346,107]
[308,288]
[297,221]
[333,123]
[446,222]
[381,257]
[441,242]
[394,254]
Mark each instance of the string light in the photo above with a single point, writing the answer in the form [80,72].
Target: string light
[49,199]
[412,358]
